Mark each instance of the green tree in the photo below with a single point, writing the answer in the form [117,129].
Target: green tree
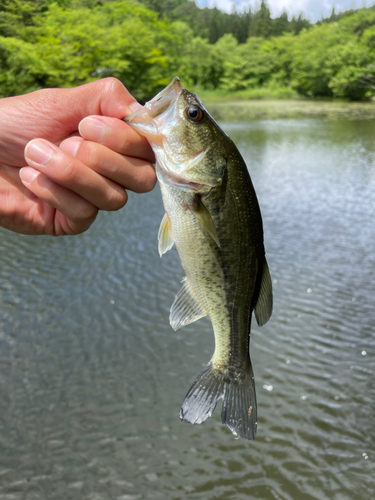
[197,19]
[296,25]
[308,75]
[15,15]
[241,29]
[249,66]
[79,45]
[22,68]
[46,43]
[163,7]
[335,58]
[217,25]
[261,22]
[280,25]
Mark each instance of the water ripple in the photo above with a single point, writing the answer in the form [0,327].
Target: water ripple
[92,376]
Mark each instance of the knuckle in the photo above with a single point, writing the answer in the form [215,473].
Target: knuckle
[112,84]
[86,213]
[90,154]
[116,200]
[151,183]
[125,139]
[68,171]
[146,181]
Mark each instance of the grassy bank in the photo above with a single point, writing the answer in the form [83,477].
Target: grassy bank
[259,109]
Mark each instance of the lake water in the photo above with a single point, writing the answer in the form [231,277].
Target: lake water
[92,376]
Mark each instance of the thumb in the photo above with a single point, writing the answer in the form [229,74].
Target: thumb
[107,97]
[54,114]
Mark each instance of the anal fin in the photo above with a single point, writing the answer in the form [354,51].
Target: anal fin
[185,308]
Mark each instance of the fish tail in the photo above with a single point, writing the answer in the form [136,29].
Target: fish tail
[239,408]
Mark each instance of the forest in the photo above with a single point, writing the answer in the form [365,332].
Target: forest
[145,43]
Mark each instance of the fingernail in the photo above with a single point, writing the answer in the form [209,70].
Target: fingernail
[71,145]
[135,105]
[92,129]
[28,174]
[39,151]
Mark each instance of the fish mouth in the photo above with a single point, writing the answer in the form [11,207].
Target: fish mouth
[144,120]
[162,101]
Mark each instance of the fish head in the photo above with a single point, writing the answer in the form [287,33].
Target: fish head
[188,143]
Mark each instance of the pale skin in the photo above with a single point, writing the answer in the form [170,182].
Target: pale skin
[65,154]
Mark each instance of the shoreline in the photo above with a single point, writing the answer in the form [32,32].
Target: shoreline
[262,109]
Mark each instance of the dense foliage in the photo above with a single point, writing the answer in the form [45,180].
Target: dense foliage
[213,23]
[61,43]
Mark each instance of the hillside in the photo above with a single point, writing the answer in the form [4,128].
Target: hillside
[70,42]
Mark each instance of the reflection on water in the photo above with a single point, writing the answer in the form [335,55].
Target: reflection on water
[92,376]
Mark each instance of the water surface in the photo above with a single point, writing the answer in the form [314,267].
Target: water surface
[92,376]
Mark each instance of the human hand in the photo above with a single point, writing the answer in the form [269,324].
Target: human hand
[54,182]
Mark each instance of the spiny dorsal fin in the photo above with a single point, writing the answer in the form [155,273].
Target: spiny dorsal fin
[263,307]
[204,217]
[165,236]
[185,308]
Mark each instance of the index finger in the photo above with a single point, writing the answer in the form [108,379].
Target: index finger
[117,136]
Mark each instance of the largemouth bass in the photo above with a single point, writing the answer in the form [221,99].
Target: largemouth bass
[213,217]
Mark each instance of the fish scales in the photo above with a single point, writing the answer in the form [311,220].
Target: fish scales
[213,218]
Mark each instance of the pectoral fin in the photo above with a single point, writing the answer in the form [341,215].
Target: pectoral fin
[204,217]
[263,307]
[185,308]
[165,236]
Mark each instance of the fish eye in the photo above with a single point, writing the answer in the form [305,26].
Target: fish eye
[194,113]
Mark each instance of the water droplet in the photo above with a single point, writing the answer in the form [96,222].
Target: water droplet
[274,282]
[303,397]
[236,436]
[309,290]
[268,387]
[363,353]
[112,302]
[288,361]
[365,456]
[299,315]
[353,299]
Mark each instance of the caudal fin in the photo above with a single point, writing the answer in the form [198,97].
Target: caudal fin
[239,409]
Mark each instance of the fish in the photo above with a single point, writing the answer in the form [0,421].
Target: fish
[213,218]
